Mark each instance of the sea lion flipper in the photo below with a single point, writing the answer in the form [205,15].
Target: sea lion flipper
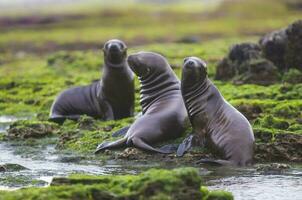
[121,132]
[110,145]
[169,148]
[139,143]
[185,145]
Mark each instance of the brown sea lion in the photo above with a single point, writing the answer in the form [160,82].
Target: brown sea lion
[216,123]
[110,98]
[163,110]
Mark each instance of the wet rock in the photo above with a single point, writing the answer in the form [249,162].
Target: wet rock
[31,129]
[273,168]
[2,168]
[16,180]
[10,167]
[274,46]
[293,53]
[70,159]
[245,64]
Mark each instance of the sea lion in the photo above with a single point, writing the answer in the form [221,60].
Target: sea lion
[163,110]
[110,98]
[216,123]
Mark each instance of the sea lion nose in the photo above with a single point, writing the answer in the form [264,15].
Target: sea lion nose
[113,46]
[191,63]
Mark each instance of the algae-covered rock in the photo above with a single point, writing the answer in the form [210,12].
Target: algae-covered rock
[282,147]
[293,52]
[182,184]
[31,129]
[245,64]
[283,47]
[274,46]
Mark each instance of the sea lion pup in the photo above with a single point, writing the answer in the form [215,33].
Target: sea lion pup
[110,98]
[163,110]
[216,123]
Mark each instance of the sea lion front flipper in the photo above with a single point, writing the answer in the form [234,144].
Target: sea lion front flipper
[110,145]
[139,143]
[121,132]
[185,145]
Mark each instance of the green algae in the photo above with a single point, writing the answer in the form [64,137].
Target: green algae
[182,183]
[219,195]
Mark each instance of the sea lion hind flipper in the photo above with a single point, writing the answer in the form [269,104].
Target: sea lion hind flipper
[215,162]
[139,143]
[185,145]
[121,132]
[110,145]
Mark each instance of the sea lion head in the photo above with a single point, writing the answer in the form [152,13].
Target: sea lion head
[115,51]
[194,70]
[144,63]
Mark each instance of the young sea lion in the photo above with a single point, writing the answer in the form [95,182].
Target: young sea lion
[163,110]
[216,123]
[110,98]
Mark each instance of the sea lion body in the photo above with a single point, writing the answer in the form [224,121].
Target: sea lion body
[217,123]
[163,111]
[110,98]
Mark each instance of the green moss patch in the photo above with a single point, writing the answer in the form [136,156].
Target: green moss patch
[182,183]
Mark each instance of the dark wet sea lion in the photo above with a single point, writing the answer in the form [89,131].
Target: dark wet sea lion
[110,98]
[163,110]
[216,123]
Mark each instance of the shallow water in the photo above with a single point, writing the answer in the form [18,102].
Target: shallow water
[44,162]
[251,185]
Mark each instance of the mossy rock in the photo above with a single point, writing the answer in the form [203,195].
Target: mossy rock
[182,183]
[293,76]
[31,129]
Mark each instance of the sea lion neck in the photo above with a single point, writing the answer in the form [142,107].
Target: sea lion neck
[195,95]
[157,85]
[119,66]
